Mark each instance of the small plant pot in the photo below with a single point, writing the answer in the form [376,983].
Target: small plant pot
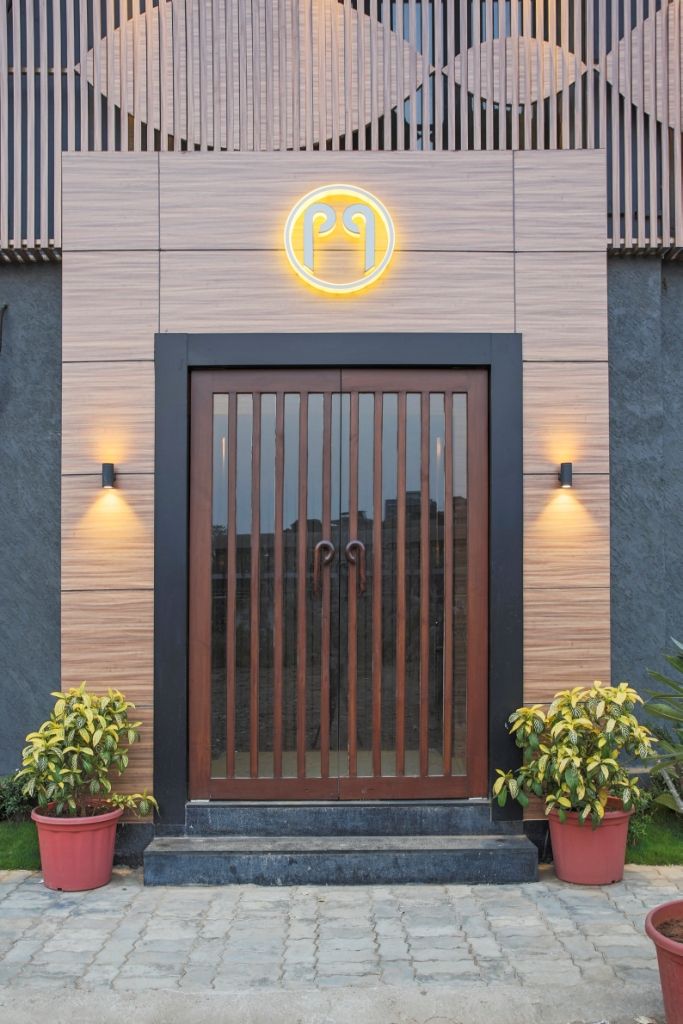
[76,853]
[590,856]
[669,958]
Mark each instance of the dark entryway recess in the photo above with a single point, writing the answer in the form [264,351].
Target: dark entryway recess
[338,583]
[370,711]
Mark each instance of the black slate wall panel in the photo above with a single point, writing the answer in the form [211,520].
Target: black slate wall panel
[645,299]
[30,417]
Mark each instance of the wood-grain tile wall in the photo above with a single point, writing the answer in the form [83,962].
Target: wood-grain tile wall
[486,242]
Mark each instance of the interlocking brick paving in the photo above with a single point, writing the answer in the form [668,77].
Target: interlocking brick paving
[124,937]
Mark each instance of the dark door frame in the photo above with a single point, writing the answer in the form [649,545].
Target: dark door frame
[176,355]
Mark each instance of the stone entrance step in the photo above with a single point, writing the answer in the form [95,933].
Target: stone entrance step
[339,860]
[339,818]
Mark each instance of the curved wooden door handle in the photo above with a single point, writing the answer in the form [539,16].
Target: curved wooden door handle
[355,555]
[323,554]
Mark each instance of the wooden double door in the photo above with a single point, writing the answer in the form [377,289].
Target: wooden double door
[338,584]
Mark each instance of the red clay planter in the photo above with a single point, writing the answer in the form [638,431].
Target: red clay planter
[669,958]
[586,855]
[76,853]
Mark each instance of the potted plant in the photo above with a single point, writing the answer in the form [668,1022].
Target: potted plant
[571,759]
[66,769]
[664,924]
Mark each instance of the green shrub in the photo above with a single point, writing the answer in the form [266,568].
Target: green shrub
[572,751]
[14,805]
[68,761]
[666,706]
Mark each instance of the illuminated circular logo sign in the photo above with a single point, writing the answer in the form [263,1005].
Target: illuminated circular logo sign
[339,239]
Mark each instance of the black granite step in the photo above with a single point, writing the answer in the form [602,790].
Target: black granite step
[339,860]
[339,818]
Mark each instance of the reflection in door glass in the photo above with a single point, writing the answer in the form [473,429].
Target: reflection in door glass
[266,587]
[341,413]
[389,581]
[364,600]
[437,436]
[459,584]
[242,610]
[290,523]
[413,595]
[314,495]
[219,576]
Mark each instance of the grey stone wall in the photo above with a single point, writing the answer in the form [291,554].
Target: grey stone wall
[646,451]
[30,418]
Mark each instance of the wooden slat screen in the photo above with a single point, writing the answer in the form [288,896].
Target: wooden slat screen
[340,74]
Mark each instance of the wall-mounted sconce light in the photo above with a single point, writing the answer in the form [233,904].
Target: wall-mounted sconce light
[565,474]
[108,474]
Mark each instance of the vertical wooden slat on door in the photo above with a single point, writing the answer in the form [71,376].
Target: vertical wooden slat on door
[448,623]
[477,583]
[255,588]
[326,637]
[278,584]
[401,587]
[377,585]
[302,589]
[352,591]
[424,584]
[231,588]
[199,616]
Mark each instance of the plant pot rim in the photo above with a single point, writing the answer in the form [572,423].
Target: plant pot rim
[672,908]
[573,816]
[66,820]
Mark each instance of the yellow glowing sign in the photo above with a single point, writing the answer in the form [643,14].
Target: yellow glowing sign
[339,239]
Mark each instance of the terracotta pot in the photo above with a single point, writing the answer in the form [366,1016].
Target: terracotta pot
[590,856]
[669,958]
[76,853]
